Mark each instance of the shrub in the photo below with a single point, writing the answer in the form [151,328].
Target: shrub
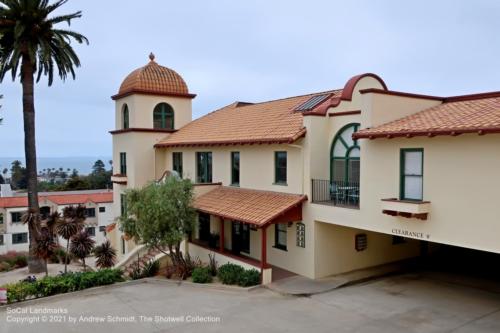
[202,275]
[59,256]
[212,264]
[250,277]
[21,261]
[63,283]
[5,266]
[230,273]
[12,260]
[151,268]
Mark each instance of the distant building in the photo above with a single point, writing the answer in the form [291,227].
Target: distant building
[14,234]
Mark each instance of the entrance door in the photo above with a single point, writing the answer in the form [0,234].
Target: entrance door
[240,237]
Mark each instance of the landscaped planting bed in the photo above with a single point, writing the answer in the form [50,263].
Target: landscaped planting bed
[60,284]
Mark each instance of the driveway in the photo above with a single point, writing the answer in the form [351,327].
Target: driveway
[405,303]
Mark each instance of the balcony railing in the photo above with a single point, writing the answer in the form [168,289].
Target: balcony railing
[336,193]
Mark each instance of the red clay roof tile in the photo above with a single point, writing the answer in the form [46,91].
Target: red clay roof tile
[456,115]
[250,206]
[267,122]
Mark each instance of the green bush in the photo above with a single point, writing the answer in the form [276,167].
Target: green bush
[250,277]
[202,275]
[230,273]
[150,269]
[13,260]
[64,283]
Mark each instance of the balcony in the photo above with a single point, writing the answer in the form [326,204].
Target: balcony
[335,193]
[406,208]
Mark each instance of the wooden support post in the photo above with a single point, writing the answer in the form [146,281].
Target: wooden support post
[263,259]
[221,236]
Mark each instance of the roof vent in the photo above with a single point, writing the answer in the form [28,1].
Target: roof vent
[312,102]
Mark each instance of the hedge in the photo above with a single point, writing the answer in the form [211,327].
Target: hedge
[64,283]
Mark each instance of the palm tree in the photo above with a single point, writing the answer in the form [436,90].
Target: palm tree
[82,246]
[69,225]
[51,222]
[45,246]
[30,40]
[105,255]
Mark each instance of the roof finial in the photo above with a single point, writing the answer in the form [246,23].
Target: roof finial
[152,56]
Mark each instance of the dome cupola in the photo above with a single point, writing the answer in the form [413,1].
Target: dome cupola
[154,79]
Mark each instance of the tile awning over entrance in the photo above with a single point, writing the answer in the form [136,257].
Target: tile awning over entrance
[250,206]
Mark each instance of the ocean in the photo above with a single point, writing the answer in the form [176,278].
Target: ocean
[82,164]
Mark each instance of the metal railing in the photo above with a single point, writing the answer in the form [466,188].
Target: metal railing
[337,193]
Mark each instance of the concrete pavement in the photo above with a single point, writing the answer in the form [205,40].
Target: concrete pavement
[405,303]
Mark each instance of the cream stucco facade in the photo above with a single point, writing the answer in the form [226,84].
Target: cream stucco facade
[459,183]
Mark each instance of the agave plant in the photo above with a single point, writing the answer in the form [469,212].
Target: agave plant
[45,246]
[105,255]
[82,246]
[69,225]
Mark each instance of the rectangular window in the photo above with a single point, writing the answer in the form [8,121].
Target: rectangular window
[235,168]
[123,163]
[1,240]
[102,228]
[89,212]
[203,167]
[412,174]
[20,238]
[1,218]
[177,162]
[16,217]
[90,231]
[280,167]
[203,227]
[102,209]
[123,205]
[280,231]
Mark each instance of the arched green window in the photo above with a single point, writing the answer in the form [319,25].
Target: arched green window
[125,117]
[344,156]
[163,116]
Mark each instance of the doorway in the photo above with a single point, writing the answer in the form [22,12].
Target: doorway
[240,237]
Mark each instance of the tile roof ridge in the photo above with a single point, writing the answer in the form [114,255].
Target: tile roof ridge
[471,97]
[303,95]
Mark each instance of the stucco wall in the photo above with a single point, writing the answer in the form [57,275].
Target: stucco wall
[336,253]
[256,165]
[141,110]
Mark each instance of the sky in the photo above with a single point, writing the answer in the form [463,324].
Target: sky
[254,51]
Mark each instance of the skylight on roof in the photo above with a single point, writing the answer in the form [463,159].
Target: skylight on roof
[312,102]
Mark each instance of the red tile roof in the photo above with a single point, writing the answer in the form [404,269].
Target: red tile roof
[13,202]
[60,199]
[154,79]
[250,206]
[461,114]
[245,123]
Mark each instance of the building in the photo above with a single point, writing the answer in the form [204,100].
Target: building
[14,234]
[318,184]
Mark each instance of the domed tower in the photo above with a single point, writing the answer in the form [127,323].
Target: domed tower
[152,102]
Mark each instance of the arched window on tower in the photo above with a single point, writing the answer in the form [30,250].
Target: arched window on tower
[344,166]
[163,116]
[125,117]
